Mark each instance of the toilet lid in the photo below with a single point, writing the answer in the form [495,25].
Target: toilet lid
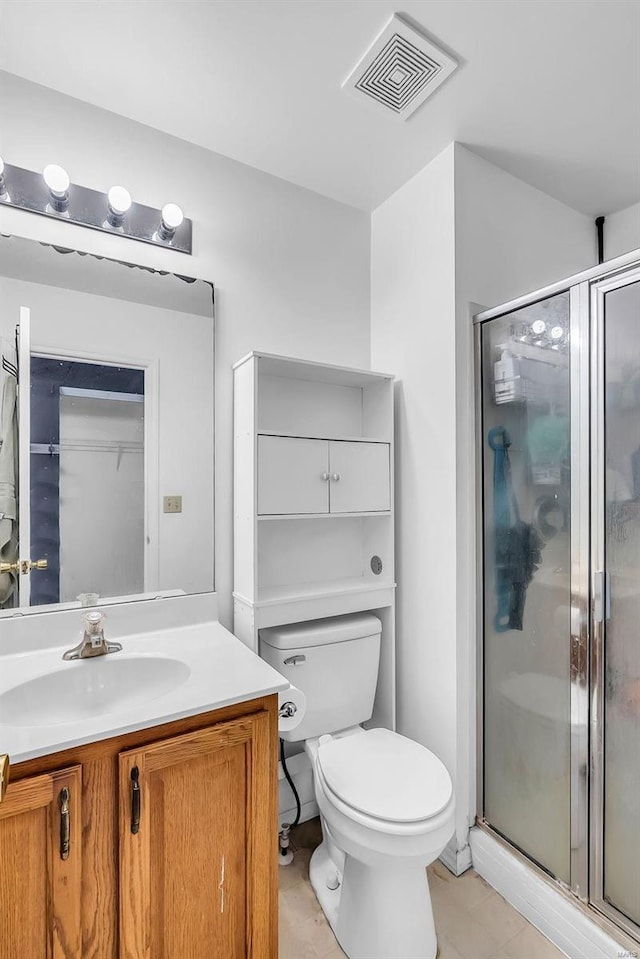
[385,775]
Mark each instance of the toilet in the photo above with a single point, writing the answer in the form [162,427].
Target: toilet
[386,803]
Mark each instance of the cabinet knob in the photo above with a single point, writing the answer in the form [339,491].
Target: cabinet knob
[325,476]
[335,477]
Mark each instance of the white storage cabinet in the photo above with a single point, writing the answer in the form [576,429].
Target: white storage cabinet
[298,475]
[313,500]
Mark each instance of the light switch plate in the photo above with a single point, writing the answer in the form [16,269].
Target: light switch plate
[172,504]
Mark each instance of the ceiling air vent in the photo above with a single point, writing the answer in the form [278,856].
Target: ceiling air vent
[400,70]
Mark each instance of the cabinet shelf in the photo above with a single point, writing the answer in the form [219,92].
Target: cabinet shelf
[272,595]
[301,592]
[270,517]
[309,435]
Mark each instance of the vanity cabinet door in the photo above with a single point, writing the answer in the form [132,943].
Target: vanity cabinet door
[360,477]
[40,867]
[293,475]
[198,835]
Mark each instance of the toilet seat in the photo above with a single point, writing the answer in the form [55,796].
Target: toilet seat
[385,777]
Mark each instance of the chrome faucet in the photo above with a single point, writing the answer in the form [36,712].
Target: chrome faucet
[93,642]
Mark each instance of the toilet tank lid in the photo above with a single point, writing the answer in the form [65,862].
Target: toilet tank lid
[321,632]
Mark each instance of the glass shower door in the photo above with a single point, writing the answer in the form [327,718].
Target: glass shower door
[616,805]
[526,442]
[559,435]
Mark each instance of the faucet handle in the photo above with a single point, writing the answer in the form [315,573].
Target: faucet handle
[94,620]
[94,628]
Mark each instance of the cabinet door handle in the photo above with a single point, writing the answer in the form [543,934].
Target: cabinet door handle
[325,476]
[135,800]
[335,477]
[65,823]
[5,766]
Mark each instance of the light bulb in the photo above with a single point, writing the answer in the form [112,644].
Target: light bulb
[56,178]
[119,199]
[119,202]
[556,332]
[172,216]
[538,327]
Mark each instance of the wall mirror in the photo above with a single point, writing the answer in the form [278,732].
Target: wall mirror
[106,430]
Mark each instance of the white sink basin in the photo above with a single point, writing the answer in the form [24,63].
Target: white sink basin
[91,687]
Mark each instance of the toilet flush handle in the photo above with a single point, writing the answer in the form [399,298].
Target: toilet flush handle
[294,660]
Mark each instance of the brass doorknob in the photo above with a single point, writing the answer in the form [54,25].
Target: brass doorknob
[23,566]
[4,774]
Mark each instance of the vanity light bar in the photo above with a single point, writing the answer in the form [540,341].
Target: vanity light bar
[51,193]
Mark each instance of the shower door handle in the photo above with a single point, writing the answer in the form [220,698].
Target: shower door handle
[602,596]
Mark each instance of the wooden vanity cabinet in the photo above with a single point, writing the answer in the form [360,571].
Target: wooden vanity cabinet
[41,866]
[173,844]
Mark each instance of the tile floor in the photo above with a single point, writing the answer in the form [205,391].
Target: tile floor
[472,920]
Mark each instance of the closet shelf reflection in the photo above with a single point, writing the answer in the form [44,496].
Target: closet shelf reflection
[54,449]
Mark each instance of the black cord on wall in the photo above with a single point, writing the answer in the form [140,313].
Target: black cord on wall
[600,233]
[290,781]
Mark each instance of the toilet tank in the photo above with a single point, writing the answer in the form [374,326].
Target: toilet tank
[334,662]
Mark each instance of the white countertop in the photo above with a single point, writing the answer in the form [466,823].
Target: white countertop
[222,671]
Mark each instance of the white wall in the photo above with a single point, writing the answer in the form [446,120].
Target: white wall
[291,268]
[413,335]
[180,346]
[461,232]
[622,232]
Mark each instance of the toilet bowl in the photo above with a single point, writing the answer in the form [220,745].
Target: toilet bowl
[386,803]
[387,810]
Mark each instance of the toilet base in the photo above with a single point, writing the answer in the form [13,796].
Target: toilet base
[376,913]
[319,868]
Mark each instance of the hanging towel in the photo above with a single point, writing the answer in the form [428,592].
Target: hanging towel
[8,479]
[518,546]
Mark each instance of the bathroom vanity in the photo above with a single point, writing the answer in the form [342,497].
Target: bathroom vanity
[146,830]
[140,819]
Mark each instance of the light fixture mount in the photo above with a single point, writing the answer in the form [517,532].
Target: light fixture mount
[27,190]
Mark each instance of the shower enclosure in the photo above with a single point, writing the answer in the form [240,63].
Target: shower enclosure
[559,541]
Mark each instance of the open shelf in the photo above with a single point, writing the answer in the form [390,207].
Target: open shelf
[273,595]
[310,370]
[270,517]
[307,435]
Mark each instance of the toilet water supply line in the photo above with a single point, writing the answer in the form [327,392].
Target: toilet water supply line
[286,855]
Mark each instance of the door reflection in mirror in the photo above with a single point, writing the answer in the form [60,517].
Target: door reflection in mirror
[87,479]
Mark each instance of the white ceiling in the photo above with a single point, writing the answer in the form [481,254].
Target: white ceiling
[547,89]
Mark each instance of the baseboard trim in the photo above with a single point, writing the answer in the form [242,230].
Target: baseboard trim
[308,810]
[456,860]
[550,910]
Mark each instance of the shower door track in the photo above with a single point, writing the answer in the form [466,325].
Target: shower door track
[627,941]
